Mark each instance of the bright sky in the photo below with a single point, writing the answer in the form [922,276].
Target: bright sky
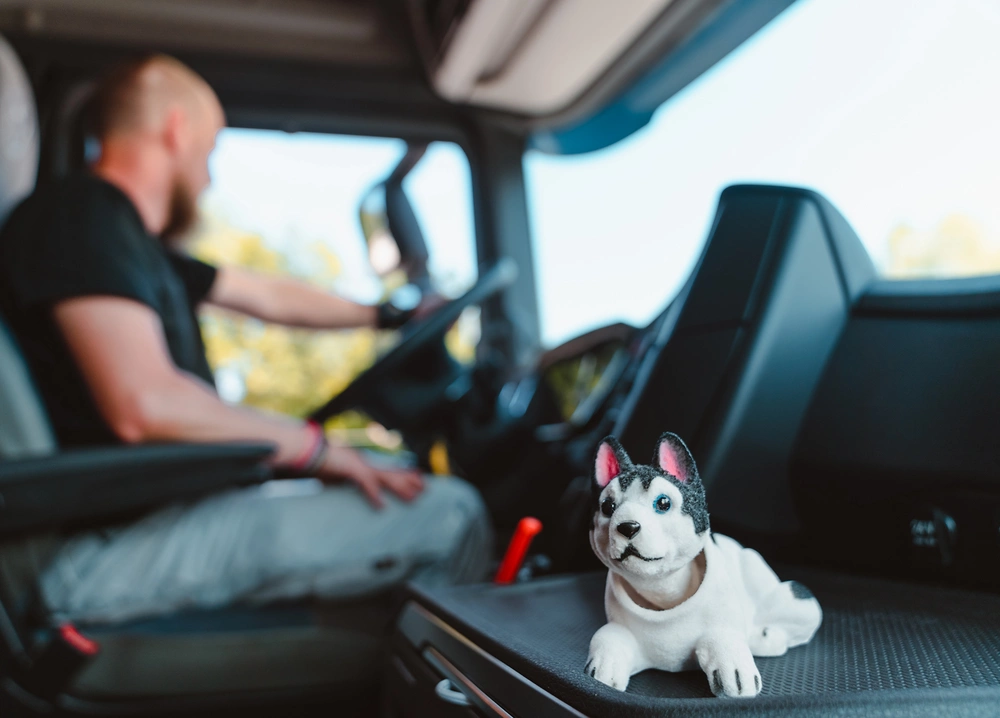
[888,107]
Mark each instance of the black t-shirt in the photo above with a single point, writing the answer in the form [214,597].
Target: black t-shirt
[82,236]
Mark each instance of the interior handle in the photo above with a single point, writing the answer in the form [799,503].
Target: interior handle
[460,683]
[449,694]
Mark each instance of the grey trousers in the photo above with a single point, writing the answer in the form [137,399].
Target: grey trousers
[280,540]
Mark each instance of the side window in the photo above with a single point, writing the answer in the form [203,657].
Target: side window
[886,108]
[291,204]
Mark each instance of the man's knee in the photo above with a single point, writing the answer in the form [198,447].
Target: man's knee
[458,515]
[450,493]
[456,503]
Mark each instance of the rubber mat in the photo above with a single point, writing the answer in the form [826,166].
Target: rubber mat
[884,647]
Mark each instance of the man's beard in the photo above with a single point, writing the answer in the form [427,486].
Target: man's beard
[183,213]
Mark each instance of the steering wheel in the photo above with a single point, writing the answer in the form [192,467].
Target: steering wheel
[419,335]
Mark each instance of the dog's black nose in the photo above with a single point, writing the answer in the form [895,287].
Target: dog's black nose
[628,529]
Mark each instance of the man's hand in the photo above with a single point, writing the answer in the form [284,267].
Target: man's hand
[344,463]
[428,305]
[123,356]
[122,353]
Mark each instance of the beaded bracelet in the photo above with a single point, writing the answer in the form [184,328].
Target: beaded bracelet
[312,458]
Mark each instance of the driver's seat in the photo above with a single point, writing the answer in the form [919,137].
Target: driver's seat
[182,663]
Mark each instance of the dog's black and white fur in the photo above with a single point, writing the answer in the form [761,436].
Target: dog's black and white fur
[677,596]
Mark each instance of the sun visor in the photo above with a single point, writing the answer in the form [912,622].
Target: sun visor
[681,60]
[530,57]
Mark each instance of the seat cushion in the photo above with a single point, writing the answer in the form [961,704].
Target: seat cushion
[316,646]
[239,650]
[902,649]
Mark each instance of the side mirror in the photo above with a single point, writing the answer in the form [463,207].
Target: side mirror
[390,226]
[383,251]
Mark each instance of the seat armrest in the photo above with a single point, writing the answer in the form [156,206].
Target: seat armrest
[101,485]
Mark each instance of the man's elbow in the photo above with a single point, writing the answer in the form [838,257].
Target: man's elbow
[140,415]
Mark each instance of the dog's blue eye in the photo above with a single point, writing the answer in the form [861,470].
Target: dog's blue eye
[608,507]
[662,504]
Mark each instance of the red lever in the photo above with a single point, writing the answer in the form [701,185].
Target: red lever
[527,529]
[78,641]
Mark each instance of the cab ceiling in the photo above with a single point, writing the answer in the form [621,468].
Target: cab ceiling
[342,32]
[535,61]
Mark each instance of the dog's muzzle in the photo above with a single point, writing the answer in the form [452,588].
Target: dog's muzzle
[631,551]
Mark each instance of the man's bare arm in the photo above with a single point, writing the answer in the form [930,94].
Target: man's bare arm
[121,351]
[123,356]
[287,301]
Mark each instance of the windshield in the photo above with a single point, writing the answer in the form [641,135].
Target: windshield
[887,108]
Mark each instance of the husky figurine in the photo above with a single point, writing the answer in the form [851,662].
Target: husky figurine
[678,596]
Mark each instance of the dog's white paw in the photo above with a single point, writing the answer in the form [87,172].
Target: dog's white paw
[769,641]
[732,673]
[613,654]
[609,669]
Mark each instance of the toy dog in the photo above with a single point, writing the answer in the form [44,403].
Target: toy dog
[677,595]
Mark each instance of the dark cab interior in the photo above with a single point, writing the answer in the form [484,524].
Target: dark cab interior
[845,424]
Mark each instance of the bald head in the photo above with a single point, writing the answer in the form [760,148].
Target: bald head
[139,97]
[157,121]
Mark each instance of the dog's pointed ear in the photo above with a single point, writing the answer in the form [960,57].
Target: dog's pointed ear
[610,461]
[673,457]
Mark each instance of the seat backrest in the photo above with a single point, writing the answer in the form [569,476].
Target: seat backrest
[24,427]
[897,465]
[24,424]
[19,139]
[754,329]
